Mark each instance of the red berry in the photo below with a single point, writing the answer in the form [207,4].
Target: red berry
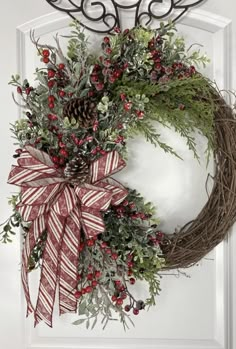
[117,283]
[127,106]
[119,301]
[51,105]
[130,264]
[181,106]
[61,66]
[51,83]
[28,90]
[51,98]
[90,242]
[117,30]
[78,294]
[97,274]
[114,298]
[114,256]
[112,79]
[83,290]
[94,78]
[19,90]
[107,63]
[45,60]
[117,74]
[108,251]
[122,96]
[108,50]
[132,281]
[62,93]
[96,67]
[64,153]
[103,244]
[99,86]
[55,159]
[62,161]
[158,66]
[46,53]
[106,40]
[94,283]
[89,289]
[140,114]
[122,288]
[127,308]
[135,311]
[160,235]
[90,276]
[51,73]
[52,117]
[61,144]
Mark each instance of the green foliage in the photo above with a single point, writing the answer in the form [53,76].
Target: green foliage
[186,105]
[15,221]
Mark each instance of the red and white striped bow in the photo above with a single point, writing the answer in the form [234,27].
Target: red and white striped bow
[50,203]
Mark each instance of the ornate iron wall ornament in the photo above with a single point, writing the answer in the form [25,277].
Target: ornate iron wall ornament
[107,13]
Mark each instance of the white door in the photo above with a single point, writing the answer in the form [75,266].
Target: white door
[197,312]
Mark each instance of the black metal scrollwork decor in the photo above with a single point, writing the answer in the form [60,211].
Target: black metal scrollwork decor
[107,13]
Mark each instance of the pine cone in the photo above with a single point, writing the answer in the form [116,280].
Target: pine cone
[77,171]
[83,110]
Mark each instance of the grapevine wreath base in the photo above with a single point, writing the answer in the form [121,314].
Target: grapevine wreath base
[199,237]
[91,237]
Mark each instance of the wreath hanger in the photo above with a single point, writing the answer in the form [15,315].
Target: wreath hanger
[158,10]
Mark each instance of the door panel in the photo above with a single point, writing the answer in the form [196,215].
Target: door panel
[191,312]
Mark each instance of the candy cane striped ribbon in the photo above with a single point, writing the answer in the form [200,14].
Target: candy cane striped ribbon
[51,204]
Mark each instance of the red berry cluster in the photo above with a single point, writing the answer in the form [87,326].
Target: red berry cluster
[87,282]
[108,70]
[56,77]
[46,56]
[161,71]
[122,294]
[129,209]
[156,238]
[25,89]
[128,106]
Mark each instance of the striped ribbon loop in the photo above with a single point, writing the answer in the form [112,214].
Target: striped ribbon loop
[51,204]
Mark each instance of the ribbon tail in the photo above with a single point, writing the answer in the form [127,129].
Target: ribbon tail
[37,227]
[49,273]
[69,264]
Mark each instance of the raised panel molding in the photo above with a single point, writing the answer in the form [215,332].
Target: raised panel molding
[220,28]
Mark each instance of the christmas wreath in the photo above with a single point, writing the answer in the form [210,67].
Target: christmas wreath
[92,237]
